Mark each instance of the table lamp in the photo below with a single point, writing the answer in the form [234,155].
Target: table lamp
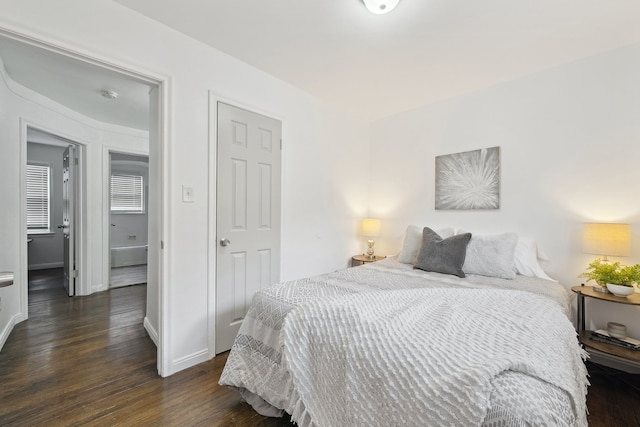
[606,239]
[370,228]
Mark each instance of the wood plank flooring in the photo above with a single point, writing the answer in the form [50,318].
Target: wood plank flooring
[87,361]
[129,275]
[613,397]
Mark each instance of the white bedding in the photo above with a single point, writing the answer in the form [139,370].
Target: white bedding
[424,357]
[515,397]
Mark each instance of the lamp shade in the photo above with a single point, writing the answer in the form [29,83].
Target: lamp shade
[607,239]
[371,227]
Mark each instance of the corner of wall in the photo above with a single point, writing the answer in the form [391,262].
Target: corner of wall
[153,334]
[4,335]
[189,360]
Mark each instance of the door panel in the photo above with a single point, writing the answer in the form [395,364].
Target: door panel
[68,218]
[248,214]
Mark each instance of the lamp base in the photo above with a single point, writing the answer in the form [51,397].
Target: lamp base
[370,253]
[601,289]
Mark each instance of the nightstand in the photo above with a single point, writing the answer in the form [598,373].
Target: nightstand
[631,357]
[362,259]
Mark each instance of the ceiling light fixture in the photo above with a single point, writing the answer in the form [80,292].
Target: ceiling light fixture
[110,94]
[380,6]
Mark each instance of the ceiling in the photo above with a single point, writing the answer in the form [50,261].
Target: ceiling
[423,51]
[371,66]
[77,85]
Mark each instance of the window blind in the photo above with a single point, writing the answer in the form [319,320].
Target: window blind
[38,192]
[127,193]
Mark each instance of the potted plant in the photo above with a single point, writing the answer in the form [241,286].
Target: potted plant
[617,278]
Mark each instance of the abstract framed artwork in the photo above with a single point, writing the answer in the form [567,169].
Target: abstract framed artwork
[468,180]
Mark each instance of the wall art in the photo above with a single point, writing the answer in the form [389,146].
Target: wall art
[468,180]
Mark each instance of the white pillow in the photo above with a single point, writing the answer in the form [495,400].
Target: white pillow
[526,259]
[413,242]
[491,255]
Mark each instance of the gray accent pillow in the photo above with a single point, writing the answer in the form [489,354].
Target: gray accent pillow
[413,242]
[444,256]
[491,255]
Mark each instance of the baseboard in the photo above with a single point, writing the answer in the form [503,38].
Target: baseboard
[4,336]
[191,360]
[151,331]
[99,288]
[45,266]
[127,264]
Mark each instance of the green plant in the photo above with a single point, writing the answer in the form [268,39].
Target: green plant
[604,272]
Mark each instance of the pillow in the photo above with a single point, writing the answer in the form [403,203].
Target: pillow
[491,255]
[413,242]
[526,259]
[444,256]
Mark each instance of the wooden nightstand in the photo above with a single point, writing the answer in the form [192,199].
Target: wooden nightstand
[631,357]
[362,259]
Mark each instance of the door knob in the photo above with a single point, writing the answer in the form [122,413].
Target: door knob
[61,226]
[225,242]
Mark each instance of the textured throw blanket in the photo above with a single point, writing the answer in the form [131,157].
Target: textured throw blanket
[424,357]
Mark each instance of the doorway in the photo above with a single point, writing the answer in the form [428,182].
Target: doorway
[66,63]
[128,211]
[55,228]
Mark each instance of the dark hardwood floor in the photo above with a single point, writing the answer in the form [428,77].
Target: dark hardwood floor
[88,361]
[613,398]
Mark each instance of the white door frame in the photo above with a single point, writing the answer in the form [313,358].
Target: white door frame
[212,238]
[164,83]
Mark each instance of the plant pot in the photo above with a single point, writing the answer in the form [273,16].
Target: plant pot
[619,290]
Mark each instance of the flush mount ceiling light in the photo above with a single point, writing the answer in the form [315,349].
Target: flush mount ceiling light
[380,6]
[109,94]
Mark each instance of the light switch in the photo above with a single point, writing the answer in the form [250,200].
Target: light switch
[187,194]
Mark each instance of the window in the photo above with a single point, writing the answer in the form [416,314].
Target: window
[127,194]
[38,194]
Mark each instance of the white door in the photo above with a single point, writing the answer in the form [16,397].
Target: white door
[69,165]
[248,214]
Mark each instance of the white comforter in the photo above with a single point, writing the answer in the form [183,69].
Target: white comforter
[424,357]
[257,369]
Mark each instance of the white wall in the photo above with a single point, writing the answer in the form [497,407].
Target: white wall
[570,147]
[46,250]
[10,235]
[324,181]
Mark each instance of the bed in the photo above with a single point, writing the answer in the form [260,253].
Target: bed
[388,344]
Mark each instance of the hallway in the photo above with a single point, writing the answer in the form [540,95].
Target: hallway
[88,361]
